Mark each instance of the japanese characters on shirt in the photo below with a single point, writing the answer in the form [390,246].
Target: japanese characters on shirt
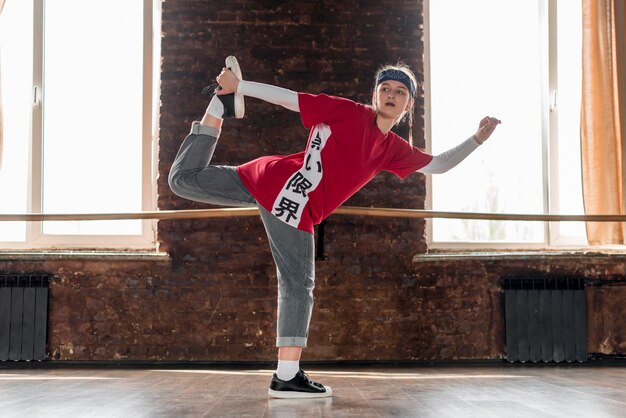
[294,195]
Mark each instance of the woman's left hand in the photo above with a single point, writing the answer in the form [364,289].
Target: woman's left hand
[228,81]
[485,128]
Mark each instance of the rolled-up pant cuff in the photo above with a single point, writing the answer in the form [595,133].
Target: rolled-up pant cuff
[291,342]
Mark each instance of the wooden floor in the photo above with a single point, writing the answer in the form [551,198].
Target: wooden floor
[485,391]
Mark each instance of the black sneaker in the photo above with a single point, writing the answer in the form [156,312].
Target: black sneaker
[238,108]
[298,387]
[234,106]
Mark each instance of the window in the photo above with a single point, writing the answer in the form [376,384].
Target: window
[520,61]
[77,89]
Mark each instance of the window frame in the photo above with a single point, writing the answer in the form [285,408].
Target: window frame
[35,238]
[549,128]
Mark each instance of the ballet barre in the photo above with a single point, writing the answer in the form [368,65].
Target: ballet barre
[344,210]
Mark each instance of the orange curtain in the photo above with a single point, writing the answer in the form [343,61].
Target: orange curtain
[603,117]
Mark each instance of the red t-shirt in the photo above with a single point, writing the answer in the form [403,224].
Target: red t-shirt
[344,152]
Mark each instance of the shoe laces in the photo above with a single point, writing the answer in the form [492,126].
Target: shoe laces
[211,88]
[306,376]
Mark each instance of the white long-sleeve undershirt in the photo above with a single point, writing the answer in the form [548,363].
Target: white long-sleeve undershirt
[272,94]
[289,100]
[451,158]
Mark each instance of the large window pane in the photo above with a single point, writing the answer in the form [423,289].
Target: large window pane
[92,113]
[16,46]
[569,29]
[485,60]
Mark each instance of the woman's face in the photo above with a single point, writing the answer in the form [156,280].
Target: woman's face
[392,99]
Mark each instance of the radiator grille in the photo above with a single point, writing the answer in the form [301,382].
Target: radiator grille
[545,319]
[23,316]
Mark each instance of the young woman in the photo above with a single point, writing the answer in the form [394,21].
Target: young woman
[348,145]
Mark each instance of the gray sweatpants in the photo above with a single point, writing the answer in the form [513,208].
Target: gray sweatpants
[191,177]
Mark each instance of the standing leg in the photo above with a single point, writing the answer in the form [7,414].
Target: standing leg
[293,252]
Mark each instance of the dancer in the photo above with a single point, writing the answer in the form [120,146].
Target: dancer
[348,145]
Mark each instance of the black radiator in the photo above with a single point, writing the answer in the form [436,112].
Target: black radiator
[545,319]
[23,316]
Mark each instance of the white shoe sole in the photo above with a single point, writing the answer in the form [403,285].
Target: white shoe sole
[233,64]
[299,395]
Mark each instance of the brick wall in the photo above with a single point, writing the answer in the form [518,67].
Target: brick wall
[318,47]
[435,309]
[215,298]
